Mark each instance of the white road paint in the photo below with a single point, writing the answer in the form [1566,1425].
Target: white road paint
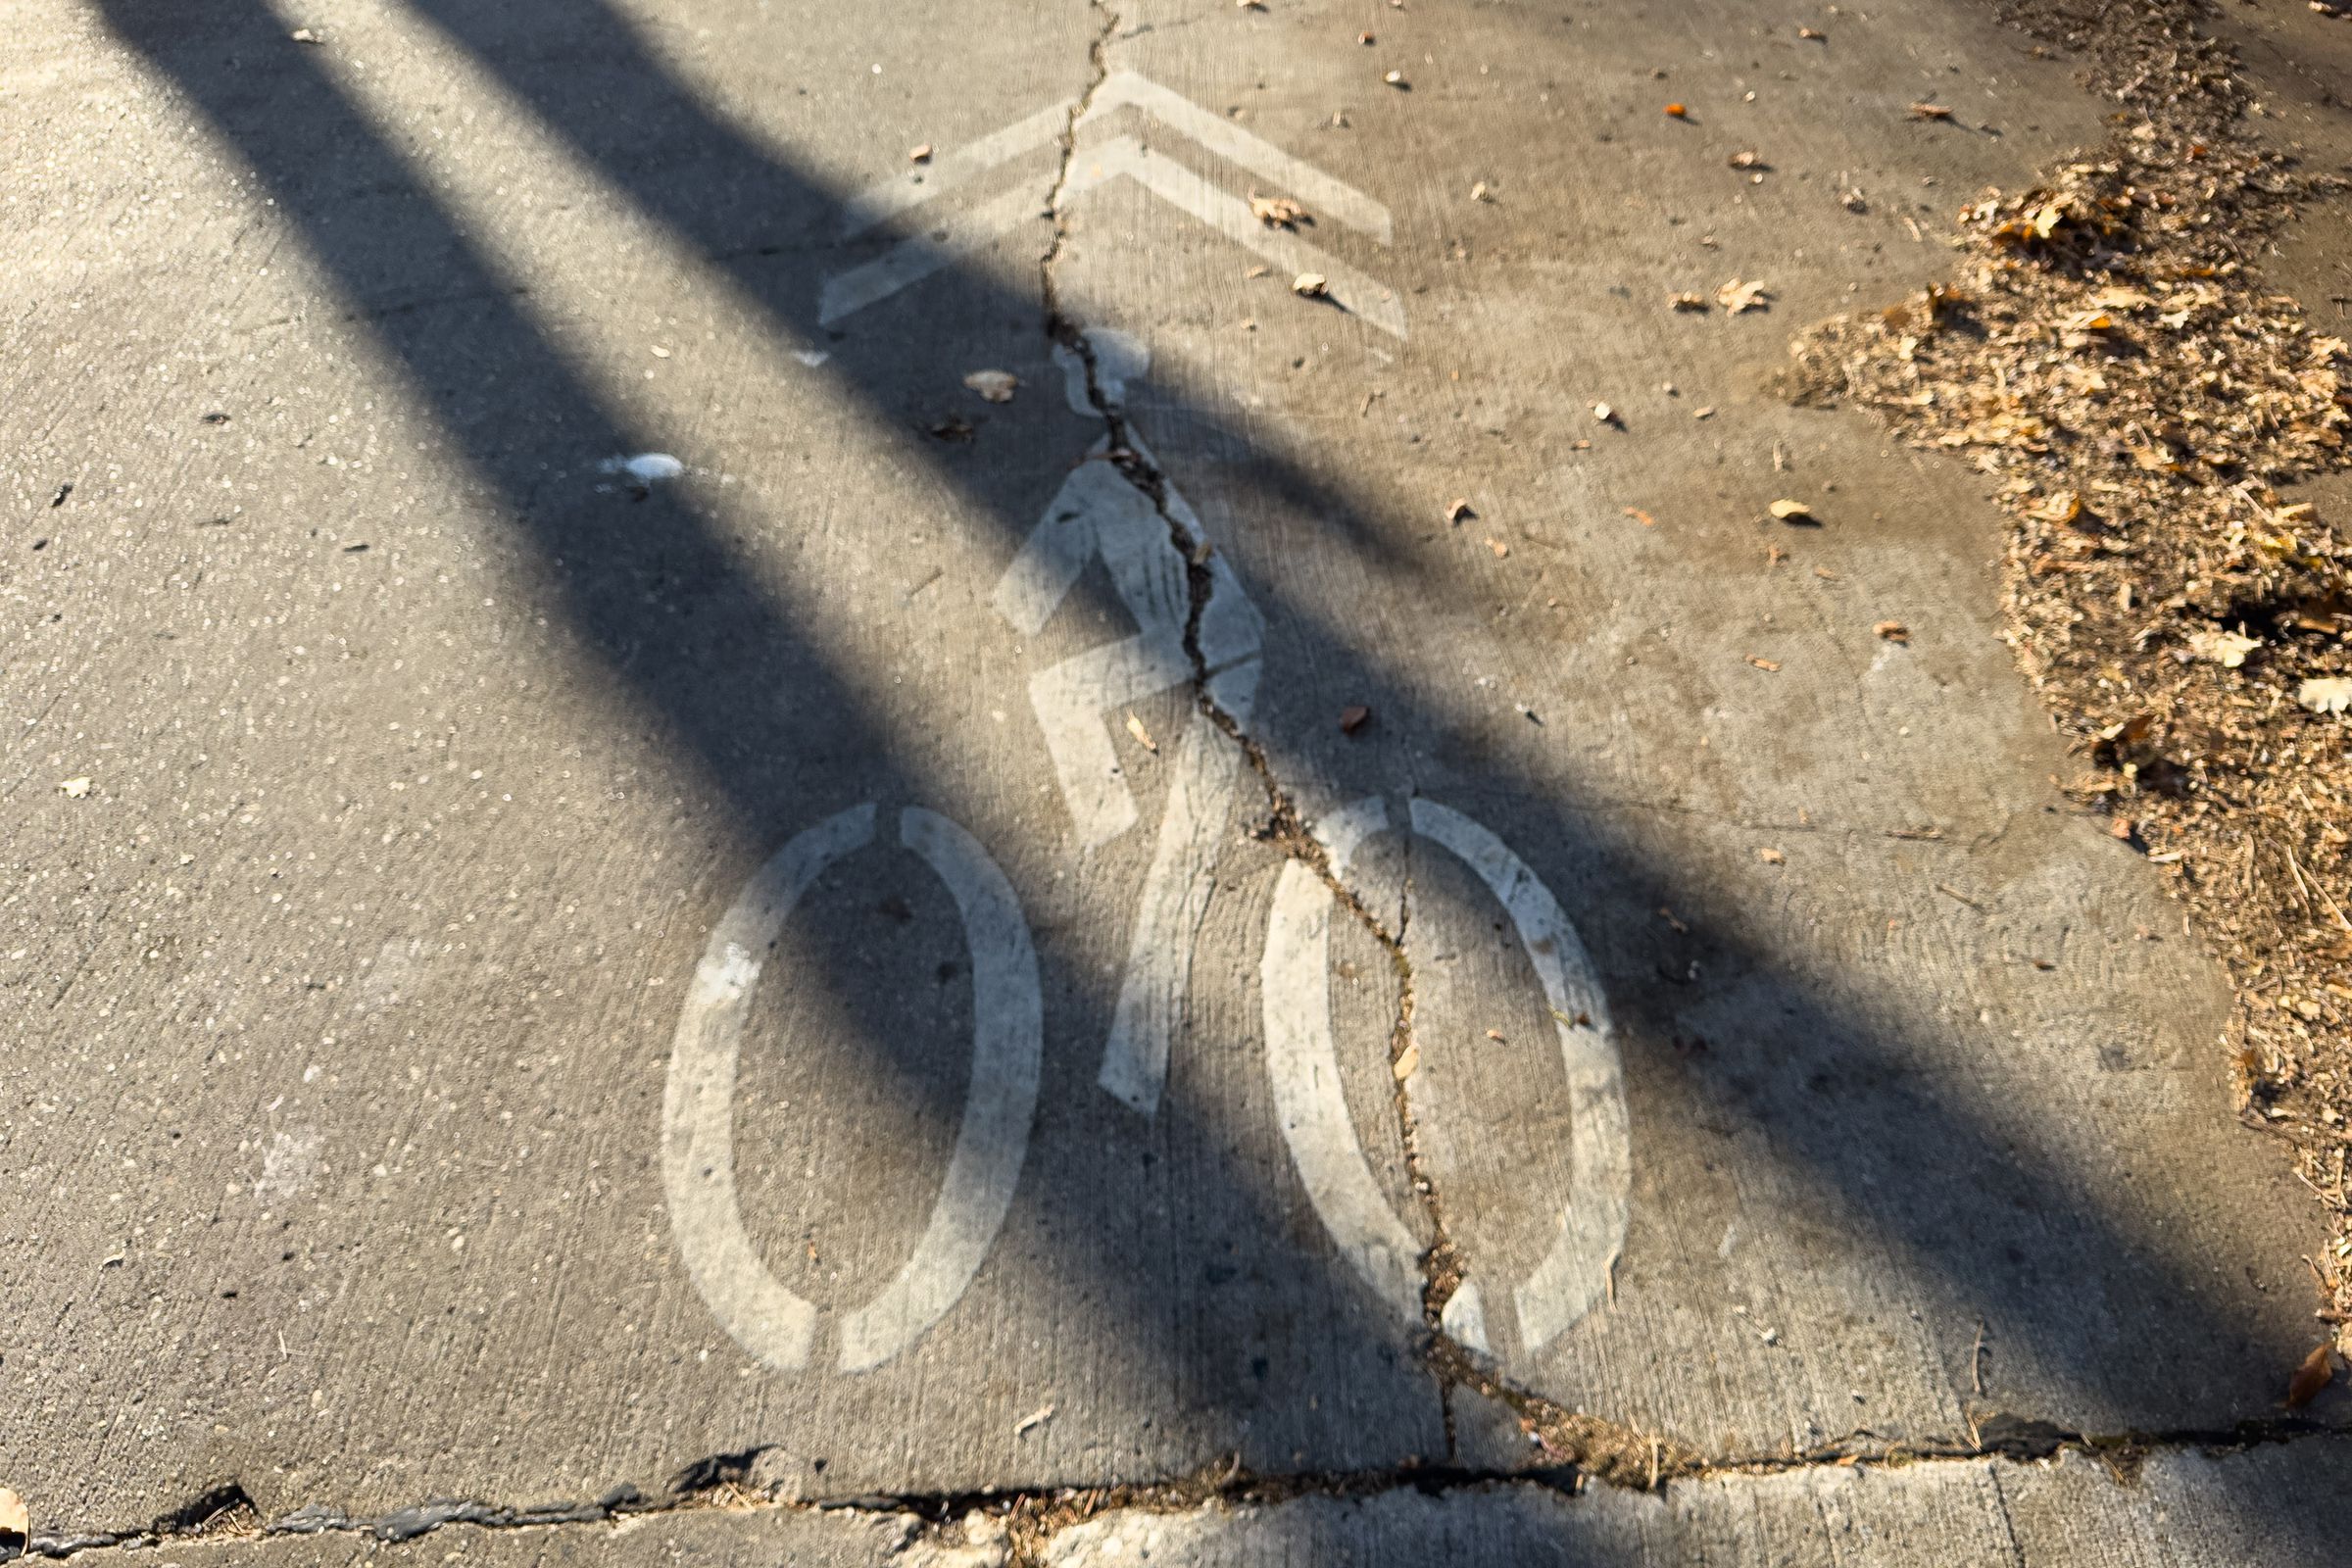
[1302,1064]
[1098,512]
[1180,187]
[1008,1035]
[1574,1273]
[917,256]
[910,261]
[697,1154]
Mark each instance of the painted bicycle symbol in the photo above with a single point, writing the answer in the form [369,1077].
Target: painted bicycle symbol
[1099,514]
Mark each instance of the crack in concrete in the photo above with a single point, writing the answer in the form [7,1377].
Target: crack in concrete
[723,1483]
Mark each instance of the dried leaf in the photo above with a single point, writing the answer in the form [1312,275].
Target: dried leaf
[305,35]
[1747,158]
[1641,518]
[2326,694]
[1353,717]
[1395,78]
[1771,857]
[1814,33]
[1895,632]
[1407,1060]
[1143,736]
[920,155]
[1313,285]
[1792,511]
[1480,192]
[1929,112]
[16,1521]
[2226,648]
[994,386]
[1458,510]
[1688,302]
[2062,506]
[1737,296]
[1276,212]
[1499,547]
[2315,1374]
[1768,665]
[1034,1419]
[73,789]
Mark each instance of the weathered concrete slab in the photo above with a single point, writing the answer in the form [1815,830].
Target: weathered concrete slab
[1914,1059]
[532,947]
[2183,1508]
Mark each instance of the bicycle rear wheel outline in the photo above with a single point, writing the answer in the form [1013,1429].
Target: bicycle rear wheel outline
[1302,1064]
[759,1312]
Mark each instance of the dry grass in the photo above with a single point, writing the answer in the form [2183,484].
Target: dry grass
[2110,360]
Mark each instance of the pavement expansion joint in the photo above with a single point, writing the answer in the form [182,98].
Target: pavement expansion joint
[225,1515]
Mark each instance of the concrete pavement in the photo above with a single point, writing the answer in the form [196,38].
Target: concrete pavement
[889,962]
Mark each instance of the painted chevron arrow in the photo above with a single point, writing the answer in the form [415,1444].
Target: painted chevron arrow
[913,259]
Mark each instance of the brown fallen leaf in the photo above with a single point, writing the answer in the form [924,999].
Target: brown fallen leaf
[1480,191]
[1276,212]
[1772,857]
[1707,411]
[1353,717]
[920,155]
[1768,665]
[1737,296]
[1458,510]
[994,386]
[1143,736]
[1792,511]
[1310,285]
[2315,1374]
[1641,518]
[1814,33]
[1688,302]
[1929,112]
[1895,632]
[16,1523]
[1747,158]
[1366,39]
[2326,694]
[1406,1061]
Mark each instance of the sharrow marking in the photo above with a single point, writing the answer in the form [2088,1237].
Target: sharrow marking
[917,257]
[1182,188]
[1100,511]
[1302,1064]
[1574,1273]
[1007,1032]
[698,1156]
[1303,1067]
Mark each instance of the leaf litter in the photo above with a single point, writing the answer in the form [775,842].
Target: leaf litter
[2138,397]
